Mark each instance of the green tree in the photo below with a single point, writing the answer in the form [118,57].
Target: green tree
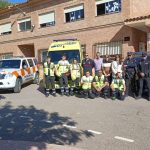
[4,3]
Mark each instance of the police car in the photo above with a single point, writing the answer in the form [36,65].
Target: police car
[15,72]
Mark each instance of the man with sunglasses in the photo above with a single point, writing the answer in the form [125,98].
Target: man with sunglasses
[88,65]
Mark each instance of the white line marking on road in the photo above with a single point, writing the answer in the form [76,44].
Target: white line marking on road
[67,126]
[124,139]
[95,132]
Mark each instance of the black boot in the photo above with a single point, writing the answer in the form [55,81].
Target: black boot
[54,92]
[47,93]
[62,91]
[67,91]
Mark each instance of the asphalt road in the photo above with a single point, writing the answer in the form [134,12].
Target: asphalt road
[87,124]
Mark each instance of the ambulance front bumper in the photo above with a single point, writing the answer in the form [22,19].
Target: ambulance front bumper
[7,83]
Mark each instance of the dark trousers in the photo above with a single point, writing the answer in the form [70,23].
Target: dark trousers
[118,94]
[50,81]
[88,93]
[64,83]
[75,83]
[130,86]
[141,83]
[104,92]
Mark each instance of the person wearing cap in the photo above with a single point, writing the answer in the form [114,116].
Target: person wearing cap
[144,75]
[130,70]
[63,70]
[75,70]
[88,65]
[118,86]
[49,69]
[86,84]
[101,85]
[98,63]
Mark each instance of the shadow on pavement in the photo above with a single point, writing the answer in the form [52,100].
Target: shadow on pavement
[30,124]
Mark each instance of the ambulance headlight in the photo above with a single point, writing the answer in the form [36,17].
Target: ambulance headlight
[8,76]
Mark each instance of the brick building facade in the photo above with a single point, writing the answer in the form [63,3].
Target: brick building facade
[109,26]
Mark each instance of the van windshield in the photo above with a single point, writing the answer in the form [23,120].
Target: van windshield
[56,55]
[8,64]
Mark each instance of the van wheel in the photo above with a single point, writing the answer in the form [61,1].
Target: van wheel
[17,88]
[36,79]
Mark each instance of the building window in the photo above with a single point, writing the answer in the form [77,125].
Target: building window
[108,6]
[74,13]
[109,48]
[24,24]
[5,29]
[43,55]
[46,20]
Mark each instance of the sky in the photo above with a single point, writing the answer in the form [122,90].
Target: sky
[17,1]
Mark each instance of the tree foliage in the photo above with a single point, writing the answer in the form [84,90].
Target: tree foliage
[4,3]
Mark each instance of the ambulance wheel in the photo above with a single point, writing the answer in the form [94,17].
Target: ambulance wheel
[36,79]
[17,88]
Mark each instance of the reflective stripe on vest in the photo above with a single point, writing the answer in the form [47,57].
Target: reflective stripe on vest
[87,82]
[99,81]
[118,84]
[75,70]
[49,70]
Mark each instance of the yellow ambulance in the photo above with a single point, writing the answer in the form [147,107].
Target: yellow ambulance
[70,47]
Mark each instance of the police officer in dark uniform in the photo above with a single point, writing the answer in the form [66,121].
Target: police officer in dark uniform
[130,70]
[88,65]
[144,75]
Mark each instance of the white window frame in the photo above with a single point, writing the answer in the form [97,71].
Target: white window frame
[101,2]
[71,9]
[5,28]
[47,15]
[21,21]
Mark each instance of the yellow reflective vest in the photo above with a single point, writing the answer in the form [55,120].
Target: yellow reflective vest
[100,81]
[118,84]
[75,71]
[49,69]
[63,67]
[87,82]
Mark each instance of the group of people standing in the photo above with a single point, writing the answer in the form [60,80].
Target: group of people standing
[100,77]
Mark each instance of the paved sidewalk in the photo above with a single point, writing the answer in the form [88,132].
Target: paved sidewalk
[22,145]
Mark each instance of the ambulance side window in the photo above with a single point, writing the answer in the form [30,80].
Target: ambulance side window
[30,62]
[24,63]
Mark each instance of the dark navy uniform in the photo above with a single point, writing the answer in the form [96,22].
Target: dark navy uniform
[87,65]
[130,69]
[144,75]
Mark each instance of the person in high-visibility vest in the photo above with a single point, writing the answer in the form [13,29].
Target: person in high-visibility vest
[101,85]
[118,86]
[49,69]
[86,83]
[75,70]
[63,71]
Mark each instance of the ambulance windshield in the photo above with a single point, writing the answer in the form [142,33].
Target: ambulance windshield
[9,64]
[56,55]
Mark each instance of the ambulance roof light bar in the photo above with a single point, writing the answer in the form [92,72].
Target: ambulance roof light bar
[65,40]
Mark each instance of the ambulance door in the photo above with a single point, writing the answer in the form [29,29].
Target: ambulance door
[25,71]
